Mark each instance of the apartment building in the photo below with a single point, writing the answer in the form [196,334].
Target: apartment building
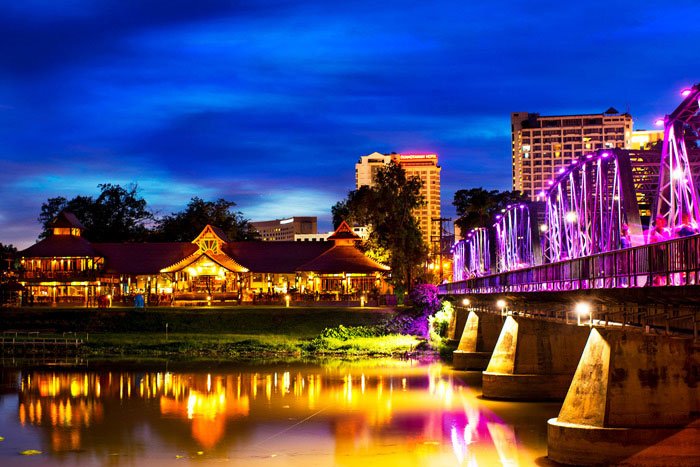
[543,144]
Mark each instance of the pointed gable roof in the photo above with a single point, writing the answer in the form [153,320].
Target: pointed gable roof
[66,219]
[344,232]
[211,239]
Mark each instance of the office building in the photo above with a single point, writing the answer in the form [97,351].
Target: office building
[283,230]
[541,145]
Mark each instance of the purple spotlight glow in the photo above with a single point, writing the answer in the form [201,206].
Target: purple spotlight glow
[588,156]
[686,92]
[550,182]
[521,206]
[499,217]
[659,122]
[605,154]
[542,193]
[561,171]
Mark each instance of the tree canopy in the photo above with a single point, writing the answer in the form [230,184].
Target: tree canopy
[185,225]
[389,208]
[118,214]
[476,206]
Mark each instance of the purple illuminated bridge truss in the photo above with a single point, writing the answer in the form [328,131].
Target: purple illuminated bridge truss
[587,205]
[676,194]
[517,239]
[471,256]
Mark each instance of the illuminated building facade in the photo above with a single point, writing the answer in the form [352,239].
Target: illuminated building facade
[361,231]
[66,267]
[542,145]
[284,230]
[646,139]
[423,166]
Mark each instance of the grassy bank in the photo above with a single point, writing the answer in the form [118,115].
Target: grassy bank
[215,333]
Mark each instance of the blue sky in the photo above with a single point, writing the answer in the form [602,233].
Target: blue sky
[270,104]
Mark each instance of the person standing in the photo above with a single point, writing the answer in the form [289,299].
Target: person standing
[658,254]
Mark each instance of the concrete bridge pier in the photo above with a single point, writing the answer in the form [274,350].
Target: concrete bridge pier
[477,342]
[635,399]
[534,359]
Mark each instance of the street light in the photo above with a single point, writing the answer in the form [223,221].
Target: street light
[583,309]
[466,302]
[501,304]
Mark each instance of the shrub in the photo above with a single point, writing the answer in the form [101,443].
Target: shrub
[425,298]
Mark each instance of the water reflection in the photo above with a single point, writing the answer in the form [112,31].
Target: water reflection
[332,415]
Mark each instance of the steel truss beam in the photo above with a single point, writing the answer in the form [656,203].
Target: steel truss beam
[677,195]
[517,239]
[587,205]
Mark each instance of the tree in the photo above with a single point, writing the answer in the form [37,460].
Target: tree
[388,207]
[118,214]
[8,253]
[185,225]
[476,206]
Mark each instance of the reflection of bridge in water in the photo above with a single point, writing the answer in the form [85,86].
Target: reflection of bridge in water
[628,386]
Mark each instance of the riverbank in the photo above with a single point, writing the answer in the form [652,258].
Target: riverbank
[224,333]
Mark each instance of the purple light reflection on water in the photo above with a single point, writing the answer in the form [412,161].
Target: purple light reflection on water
[341,414]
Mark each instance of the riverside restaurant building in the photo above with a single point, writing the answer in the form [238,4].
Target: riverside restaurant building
[67,268]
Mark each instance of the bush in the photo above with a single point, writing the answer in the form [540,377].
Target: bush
[425,298]
[440,321]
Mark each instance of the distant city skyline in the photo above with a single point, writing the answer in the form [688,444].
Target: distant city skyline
[271,104]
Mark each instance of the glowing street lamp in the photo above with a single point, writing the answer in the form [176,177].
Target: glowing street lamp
[286,300]
[501,304]
[584,309]
[466,302]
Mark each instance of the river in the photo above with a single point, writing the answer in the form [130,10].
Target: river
[375,412]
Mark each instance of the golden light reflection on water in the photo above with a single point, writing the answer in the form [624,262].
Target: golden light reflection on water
[401,412]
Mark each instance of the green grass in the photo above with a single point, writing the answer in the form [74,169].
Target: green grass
[217,333]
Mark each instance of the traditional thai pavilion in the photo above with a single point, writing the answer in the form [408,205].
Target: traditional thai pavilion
[66,267]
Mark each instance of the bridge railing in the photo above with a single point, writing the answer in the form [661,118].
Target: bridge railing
[670,263]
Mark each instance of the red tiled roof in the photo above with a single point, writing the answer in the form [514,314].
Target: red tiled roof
[142,258]
[60,245]
[262,257]
[343,259]
[274,257]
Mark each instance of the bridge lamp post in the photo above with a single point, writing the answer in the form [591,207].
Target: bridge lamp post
[583,309]
[501,304]
[466,302]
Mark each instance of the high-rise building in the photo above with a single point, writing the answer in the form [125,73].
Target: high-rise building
[280,230]
[423,166]
[542,145]
[367,167]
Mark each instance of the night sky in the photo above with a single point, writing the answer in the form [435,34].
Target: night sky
[270,104]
